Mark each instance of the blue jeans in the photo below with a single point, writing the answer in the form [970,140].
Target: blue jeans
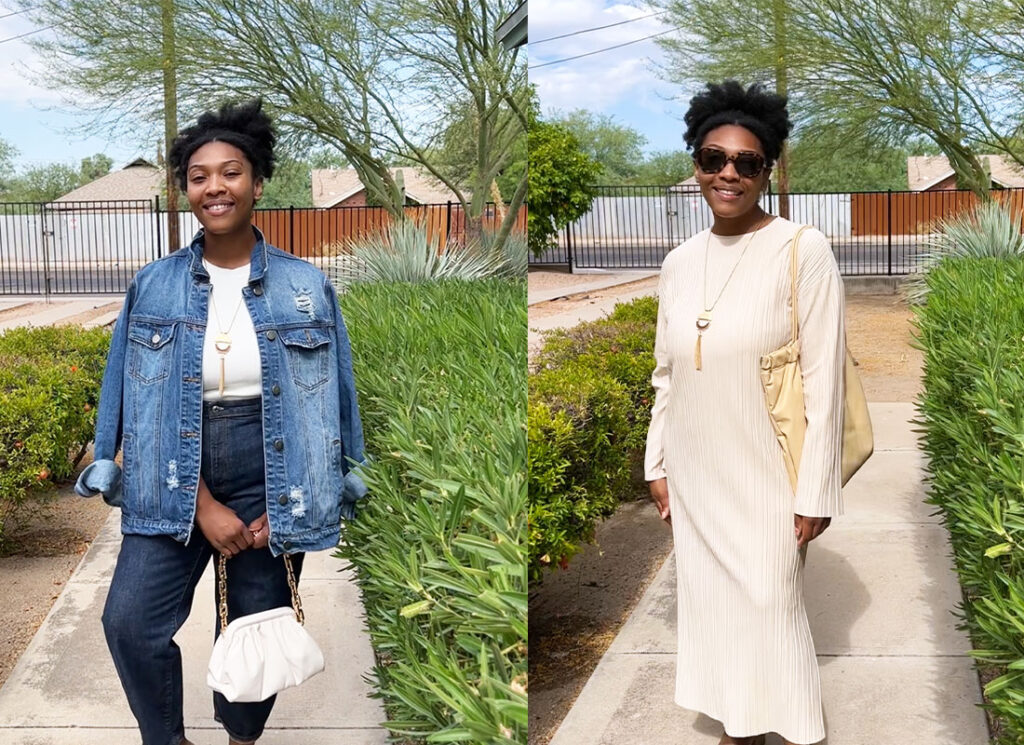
[155,580]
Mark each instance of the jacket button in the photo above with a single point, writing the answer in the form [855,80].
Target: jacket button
[257,290]
[156,338]
[282,500]
[278,444]
[286,545]
[276,390]
[271,334]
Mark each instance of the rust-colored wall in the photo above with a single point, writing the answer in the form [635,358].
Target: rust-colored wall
[314,232]
[919,211]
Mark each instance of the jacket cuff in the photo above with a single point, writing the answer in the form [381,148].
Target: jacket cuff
[354,489]
[101,477]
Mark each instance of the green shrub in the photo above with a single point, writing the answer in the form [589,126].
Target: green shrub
[972,415]
[590,406]
[438,547]
[49,386]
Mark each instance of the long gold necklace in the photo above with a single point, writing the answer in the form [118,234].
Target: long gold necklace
[704,318]
[222,341]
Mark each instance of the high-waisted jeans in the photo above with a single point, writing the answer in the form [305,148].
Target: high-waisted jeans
[155,579]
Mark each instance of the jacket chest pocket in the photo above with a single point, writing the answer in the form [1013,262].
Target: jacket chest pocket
[308,352]
[149,350]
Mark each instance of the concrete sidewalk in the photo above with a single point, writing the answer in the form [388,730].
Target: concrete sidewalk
[64,690]
[880,592]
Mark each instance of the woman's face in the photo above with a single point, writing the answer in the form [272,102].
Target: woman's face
[221,190]
[729,194]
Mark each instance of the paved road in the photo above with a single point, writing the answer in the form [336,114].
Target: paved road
[853,256]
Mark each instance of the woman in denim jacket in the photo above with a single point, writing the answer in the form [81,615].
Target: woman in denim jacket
[229,391]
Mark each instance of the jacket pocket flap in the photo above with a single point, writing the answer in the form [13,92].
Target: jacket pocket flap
[152,335]
[309,337]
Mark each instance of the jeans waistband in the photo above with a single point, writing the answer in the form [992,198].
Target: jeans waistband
[233,408]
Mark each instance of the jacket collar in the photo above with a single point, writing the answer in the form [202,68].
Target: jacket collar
[257,260]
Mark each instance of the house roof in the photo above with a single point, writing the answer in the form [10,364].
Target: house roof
[140,179]
[512,32]
[689,184]
[333,185]
[925,171]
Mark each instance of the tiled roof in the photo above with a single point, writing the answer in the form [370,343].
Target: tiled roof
[331,185]
[925,171]
[137,180]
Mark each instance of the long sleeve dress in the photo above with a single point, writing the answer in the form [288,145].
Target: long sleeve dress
[745,654]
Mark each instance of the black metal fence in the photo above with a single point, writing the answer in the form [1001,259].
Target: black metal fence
[96,247]
[872,233]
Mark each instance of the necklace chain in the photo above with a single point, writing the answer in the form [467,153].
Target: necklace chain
[707,246]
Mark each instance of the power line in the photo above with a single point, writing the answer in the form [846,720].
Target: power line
[28,33]
[15,13]
[598,28]
[606,49]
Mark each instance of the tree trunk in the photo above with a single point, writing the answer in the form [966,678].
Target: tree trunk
[510,217]
[781,88]
[170,119]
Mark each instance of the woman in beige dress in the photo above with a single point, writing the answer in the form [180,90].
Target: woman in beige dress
[716,471]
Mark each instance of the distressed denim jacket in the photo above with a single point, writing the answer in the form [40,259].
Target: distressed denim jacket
[151,401]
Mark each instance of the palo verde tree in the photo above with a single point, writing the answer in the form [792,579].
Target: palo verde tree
[879,70]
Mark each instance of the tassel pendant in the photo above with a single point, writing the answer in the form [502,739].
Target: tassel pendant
[703,321]
[222,343]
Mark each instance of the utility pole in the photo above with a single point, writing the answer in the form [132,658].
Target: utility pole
[781,87]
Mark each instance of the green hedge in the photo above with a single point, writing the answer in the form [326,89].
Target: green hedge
[589,410]
[49,386]
[439,548]
[972,415]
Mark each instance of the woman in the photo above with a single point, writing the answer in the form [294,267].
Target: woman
[716,470]
[229,390]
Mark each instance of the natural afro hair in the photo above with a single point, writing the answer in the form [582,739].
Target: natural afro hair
[243,125]
[763,113]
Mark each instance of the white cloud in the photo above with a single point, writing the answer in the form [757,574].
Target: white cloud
[601,82]
[17,58]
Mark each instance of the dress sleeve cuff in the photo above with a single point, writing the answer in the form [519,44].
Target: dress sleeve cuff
[101,477]
[653,474]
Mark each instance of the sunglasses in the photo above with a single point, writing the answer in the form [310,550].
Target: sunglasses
[712,160]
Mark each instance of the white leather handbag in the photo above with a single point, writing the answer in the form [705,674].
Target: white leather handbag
[262,653]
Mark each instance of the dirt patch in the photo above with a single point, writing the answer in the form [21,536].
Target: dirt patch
[44,543]
[89,315]
[24,311]
[574,302]
[576,614]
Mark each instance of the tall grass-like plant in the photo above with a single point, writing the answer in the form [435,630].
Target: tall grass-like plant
[989,231]
[972,417]
[439,546]
[403,251]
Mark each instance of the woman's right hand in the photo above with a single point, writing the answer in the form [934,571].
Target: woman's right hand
[659,493]
[222,527]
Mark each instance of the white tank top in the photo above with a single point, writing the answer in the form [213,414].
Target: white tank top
[227,313]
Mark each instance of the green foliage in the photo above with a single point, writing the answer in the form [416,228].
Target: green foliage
[589,410]
[561,182]
[618,148]
[93,167]
[7,155]
[664,168]
[49,387]
[829,162]
[43,183]
[291,185]
[972,417]
[438,547]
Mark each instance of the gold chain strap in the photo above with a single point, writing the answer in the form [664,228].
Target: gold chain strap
[222,590]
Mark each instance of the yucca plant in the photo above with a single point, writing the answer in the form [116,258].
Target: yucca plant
[989,231]
[403,251]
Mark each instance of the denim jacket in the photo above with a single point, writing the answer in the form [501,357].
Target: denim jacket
[151,400]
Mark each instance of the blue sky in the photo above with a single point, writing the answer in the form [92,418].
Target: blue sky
[29,121]
[622,83]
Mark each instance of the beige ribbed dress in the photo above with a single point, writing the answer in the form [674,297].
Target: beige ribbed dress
[745,654]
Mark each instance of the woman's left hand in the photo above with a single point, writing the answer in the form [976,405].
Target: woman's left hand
[260,529]
[809,528]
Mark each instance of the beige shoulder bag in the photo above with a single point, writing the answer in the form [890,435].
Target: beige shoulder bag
[784,392]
